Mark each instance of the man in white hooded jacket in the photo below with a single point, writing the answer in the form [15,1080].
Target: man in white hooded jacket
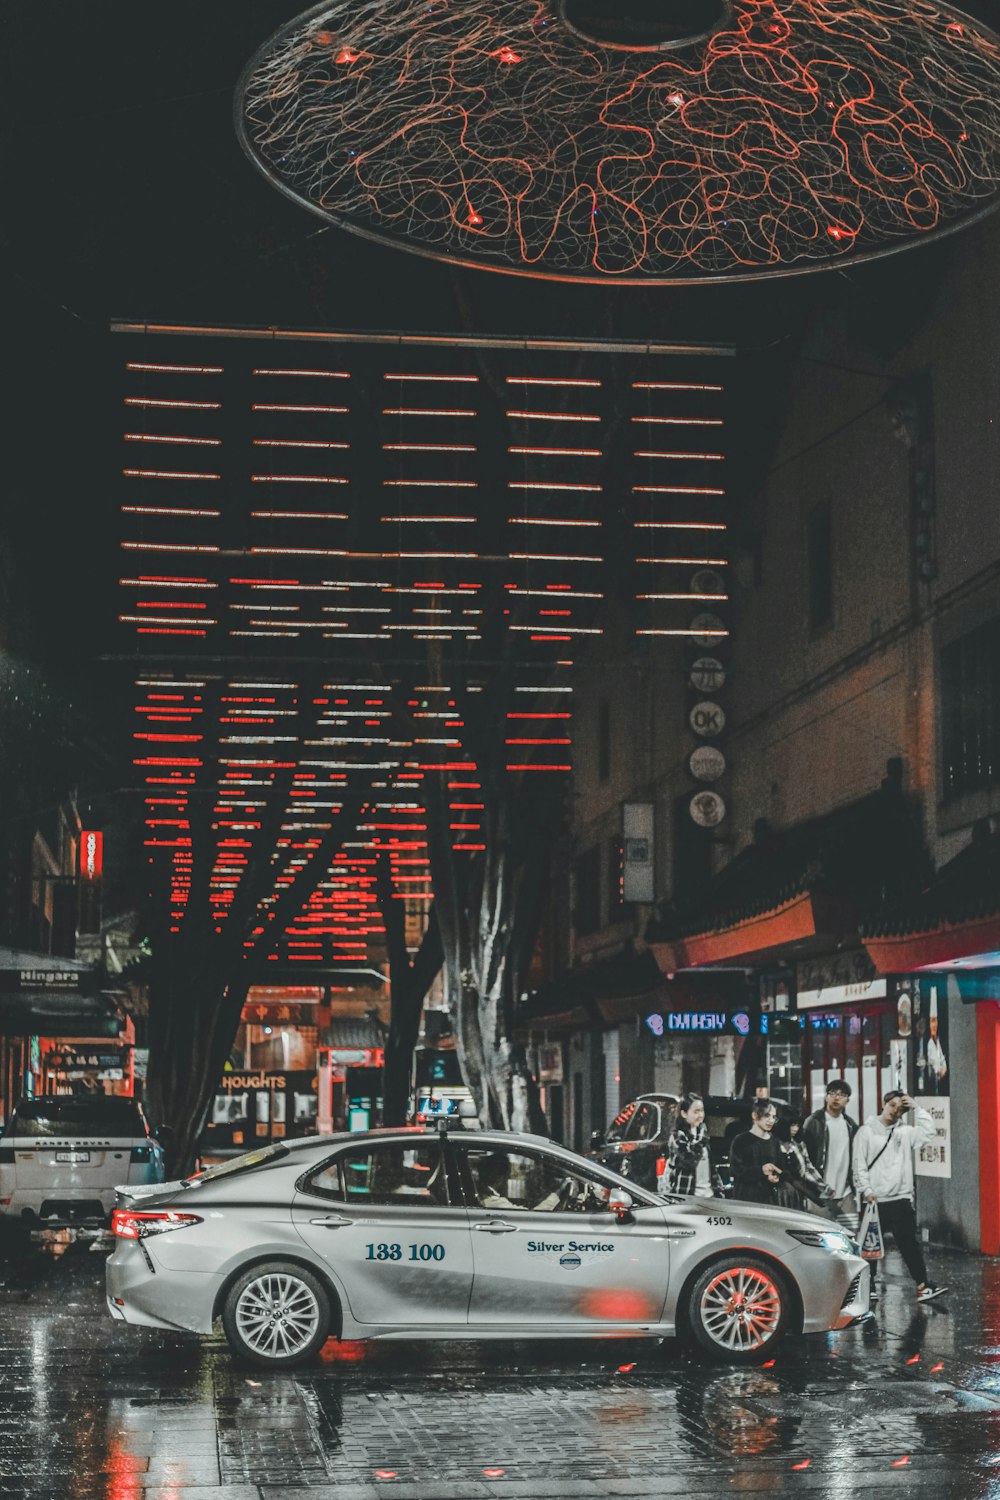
[883,1173]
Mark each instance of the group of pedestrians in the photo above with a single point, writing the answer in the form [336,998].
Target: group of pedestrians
[829,1163]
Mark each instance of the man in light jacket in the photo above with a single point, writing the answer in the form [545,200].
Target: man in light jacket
[883,1173]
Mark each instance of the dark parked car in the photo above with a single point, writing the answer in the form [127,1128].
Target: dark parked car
[635,1143]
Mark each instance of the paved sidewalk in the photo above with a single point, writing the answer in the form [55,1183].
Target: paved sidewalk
[909,1405]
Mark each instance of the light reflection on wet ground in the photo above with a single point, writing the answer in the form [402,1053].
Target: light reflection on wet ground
[909,1404]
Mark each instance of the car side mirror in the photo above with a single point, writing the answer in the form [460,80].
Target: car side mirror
[620,1204]
[597,1140]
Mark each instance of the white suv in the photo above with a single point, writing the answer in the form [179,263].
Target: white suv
[61,1158]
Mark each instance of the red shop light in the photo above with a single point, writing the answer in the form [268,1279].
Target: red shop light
[91,854]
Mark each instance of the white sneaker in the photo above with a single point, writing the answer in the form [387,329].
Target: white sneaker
[929,1291]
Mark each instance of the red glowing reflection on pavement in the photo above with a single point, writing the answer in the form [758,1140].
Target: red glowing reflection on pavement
[342,1351]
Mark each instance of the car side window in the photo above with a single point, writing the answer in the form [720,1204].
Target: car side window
[644,1123]
[388,1173]
[521,1182]
[619,1125]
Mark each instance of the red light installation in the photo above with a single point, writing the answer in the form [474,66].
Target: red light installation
[255,734]
[779,143]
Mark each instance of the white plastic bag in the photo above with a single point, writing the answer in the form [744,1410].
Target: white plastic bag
[870,1233]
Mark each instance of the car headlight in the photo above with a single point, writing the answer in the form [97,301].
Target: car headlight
[834,1240]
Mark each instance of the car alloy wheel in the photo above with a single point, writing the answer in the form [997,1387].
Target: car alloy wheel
[738,1308]
[276,1314]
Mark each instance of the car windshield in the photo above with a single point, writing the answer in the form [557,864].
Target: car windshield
[248,1163]
[77,1118]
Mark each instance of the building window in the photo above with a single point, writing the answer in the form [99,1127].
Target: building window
[819,566]
[588,891]
[604,741]
[970,712]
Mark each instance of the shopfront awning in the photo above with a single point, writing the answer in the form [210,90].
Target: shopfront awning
[953,921]
[43,995]
[796,890]
[618,987]
[353,1033]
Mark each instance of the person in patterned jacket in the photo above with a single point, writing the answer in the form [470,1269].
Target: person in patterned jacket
[691,1171]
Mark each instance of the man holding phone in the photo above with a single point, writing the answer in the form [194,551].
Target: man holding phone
[883,1174]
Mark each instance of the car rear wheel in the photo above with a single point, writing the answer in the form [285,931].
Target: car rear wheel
[276,1314]
[739,1307]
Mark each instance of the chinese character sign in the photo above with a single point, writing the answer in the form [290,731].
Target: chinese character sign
[934,1158]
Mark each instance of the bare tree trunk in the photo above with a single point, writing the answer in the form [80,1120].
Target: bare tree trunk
[408,984]
[192,1020]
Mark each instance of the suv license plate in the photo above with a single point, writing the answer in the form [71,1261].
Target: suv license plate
[72,1156]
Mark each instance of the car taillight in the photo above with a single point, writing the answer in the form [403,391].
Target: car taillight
[6,1156]
[130,1224]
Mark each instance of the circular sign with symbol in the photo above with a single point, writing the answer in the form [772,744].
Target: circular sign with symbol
[707,581]
[707,719]
[705,629]
[707,763]
[707,674]
[707,809]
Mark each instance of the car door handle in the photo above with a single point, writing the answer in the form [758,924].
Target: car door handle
[496,1226]
[333,1221]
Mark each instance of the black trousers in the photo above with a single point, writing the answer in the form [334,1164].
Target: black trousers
[899,1219]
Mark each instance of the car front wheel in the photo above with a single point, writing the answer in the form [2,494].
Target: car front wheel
[738,1308]
[276,1314]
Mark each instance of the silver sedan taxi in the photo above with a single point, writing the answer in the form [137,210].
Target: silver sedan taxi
[407,1233]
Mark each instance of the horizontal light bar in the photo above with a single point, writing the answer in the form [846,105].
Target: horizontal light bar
[296,479]
[166,510]
[548,521]
[681,421]
[671,385]
[675,489]
[449,379]
[548,380]
[158,437]
[322,374]
[429,448]
[285,406]
[695,562]
[176,369]
[185,405]
[299,515]
[655,453]
[295,443]
[554,416]
[167,474]
[546,484]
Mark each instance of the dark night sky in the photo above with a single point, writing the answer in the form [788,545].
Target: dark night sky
[126,194]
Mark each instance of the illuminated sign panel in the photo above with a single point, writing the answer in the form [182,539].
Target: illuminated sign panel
[91,855]
[715,1022]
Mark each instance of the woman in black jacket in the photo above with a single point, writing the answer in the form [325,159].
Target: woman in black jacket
[691,1170]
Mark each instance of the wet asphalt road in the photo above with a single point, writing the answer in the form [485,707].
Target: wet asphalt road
[909,1405]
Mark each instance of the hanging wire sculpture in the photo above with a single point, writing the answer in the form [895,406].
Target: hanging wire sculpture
[789,137]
